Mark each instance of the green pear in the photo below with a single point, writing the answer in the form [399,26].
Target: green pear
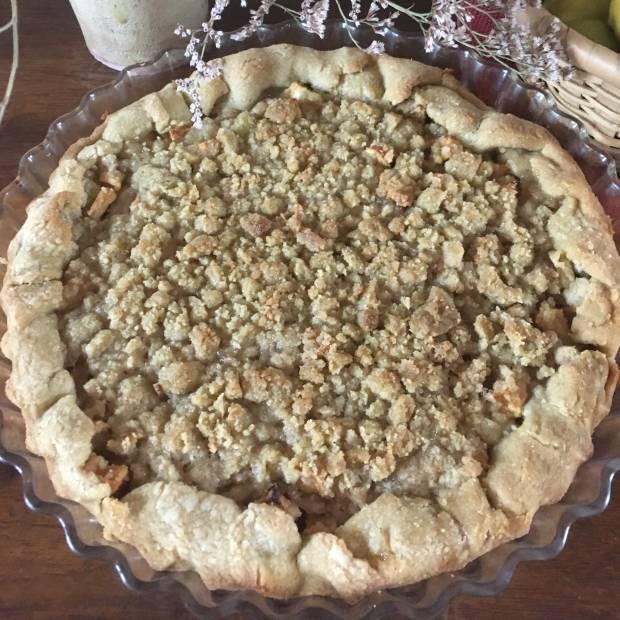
[598,31]
[614,17]
[571,10]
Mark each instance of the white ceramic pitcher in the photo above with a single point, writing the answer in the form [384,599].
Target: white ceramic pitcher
[119,33]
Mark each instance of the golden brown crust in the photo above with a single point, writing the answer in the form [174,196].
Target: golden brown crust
[394,540]
[555,437]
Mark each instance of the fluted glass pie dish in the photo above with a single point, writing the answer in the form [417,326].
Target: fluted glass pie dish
[589,493]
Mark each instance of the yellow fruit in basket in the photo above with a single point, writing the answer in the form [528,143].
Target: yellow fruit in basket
[596,30]
[614,17]
[571,10]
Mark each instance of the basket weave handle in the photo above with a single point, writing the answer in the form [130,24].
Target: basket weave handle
[583,53]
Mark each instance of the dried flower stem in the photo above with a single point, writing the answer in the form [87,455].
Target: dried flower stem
[12,23]
[291,12]
[450,23]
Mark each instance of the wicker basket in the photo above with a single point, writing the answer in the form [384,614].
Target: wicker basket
[593,94]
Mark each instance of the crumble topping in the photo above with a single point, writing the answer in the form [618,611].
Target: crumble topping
[315,301]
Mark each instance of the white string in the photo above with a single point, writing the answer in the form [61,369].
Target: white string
[6,26]
[14,63]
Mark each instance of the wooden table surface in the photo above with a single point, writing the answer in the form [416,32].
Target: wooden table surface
[41,579]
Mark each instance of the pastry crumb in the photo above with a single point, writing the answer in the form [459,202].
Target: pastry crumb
[315,301]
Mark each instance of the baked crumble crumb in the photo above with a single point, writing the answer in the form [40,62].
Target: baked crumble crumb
[317,299]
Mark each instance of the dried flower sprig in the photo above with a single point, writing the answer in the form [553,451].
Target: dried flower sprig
[492,28]
[506,38]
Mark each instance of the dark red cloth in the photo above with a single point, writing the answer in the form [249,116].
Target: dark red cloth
[482,22]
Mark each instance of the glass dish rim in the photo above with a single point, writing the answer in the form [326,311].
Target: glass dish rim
[460,582]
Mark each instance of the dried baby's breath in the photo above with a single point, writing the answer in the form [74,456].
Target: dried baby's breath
[509,40]
[257,17]
[505,38]
[314,15]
